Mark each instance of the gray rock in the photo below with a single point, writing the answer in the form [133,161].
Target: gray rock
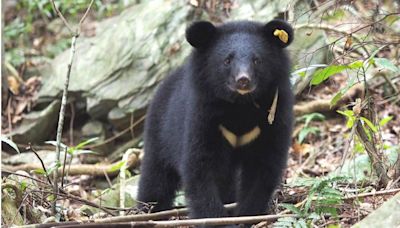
[37,126]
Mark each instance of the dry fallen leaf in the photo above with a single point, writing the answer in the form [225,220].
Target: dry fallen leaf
[13,85]
[349,42]
[357,107]
[194,3]
[301,149]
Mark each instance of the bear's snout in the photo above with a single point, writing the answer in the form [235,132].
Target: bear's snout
[243,84]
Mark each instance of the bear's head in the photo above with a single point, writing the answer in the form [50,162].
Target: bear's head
[240,60]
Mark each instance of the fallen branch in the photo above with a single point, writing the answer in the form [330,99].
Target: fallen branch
[82,169]
[141,218]
[129,218]
[312,106]
[169,223]
[352,197]
[325,105]
[377,193]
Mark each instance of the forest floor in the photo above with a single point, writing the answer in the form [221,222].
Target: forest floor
[330,180]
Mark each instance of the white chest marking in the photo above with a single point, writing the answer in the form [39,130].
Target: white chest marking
[242,140]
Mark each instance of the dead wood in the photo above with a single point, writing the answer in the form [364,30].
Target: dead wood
[325,105]
[82,169]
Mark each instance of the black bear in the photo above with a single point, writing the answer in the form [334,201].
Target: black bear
[220,125]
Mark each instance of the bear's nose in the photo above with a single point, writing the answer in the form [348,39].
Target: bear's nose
[243,83]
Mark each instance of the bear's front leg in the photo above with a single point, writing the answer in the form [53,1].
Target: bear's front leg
[201,191]
[203,164]
[201,167]
[259,178]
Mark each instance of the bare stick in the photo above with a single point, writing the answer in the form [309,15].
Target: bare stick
[199,222]
[84,16]
[95,170]
[55,8]
[140,218]
[65,93]
[64,164]
[78,199]
[125,222]
[22,175]
[377,193]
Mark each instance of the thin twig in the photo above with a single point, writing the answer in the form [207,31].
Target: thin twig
[41,162]
[64,194]
[353,32]
[71,124]
[64,164]
[84,16]
[55,8]
[9,116]
[347,147]
[377,193]
[22,175]
[333,29]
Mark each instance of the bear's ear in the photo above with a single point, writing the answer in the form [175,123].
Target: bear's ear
[279,32]
[200,34]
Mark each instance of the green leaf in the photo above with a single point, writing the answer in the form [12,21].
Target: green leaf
[385,120]
[303,71]
[305,131]
[301,224]
[302,74]
[336,98]
[10,143]
[350,122]
[78,152]
[347,113]
[323,74]
[23,185]
[312,116]
[51,198]
[350,117]
[386,64]
[332,191]
[314,216]
[356,64]
[328,210]
[84,143]
[54,143]
[367,132]
[391,19]
[77,149]
[370,124]
[52,167]
[291,208]
[117,166]
[286,222]
[39,171]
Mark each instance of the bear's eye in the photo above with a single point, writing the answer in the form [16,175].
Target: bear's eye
[256,61]
[227,61]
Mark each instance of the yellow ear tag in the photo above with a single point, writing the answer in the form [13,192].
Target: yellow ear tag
[282,35]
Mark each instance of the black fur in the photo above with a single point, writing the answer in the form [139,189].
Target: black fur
[183,144]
